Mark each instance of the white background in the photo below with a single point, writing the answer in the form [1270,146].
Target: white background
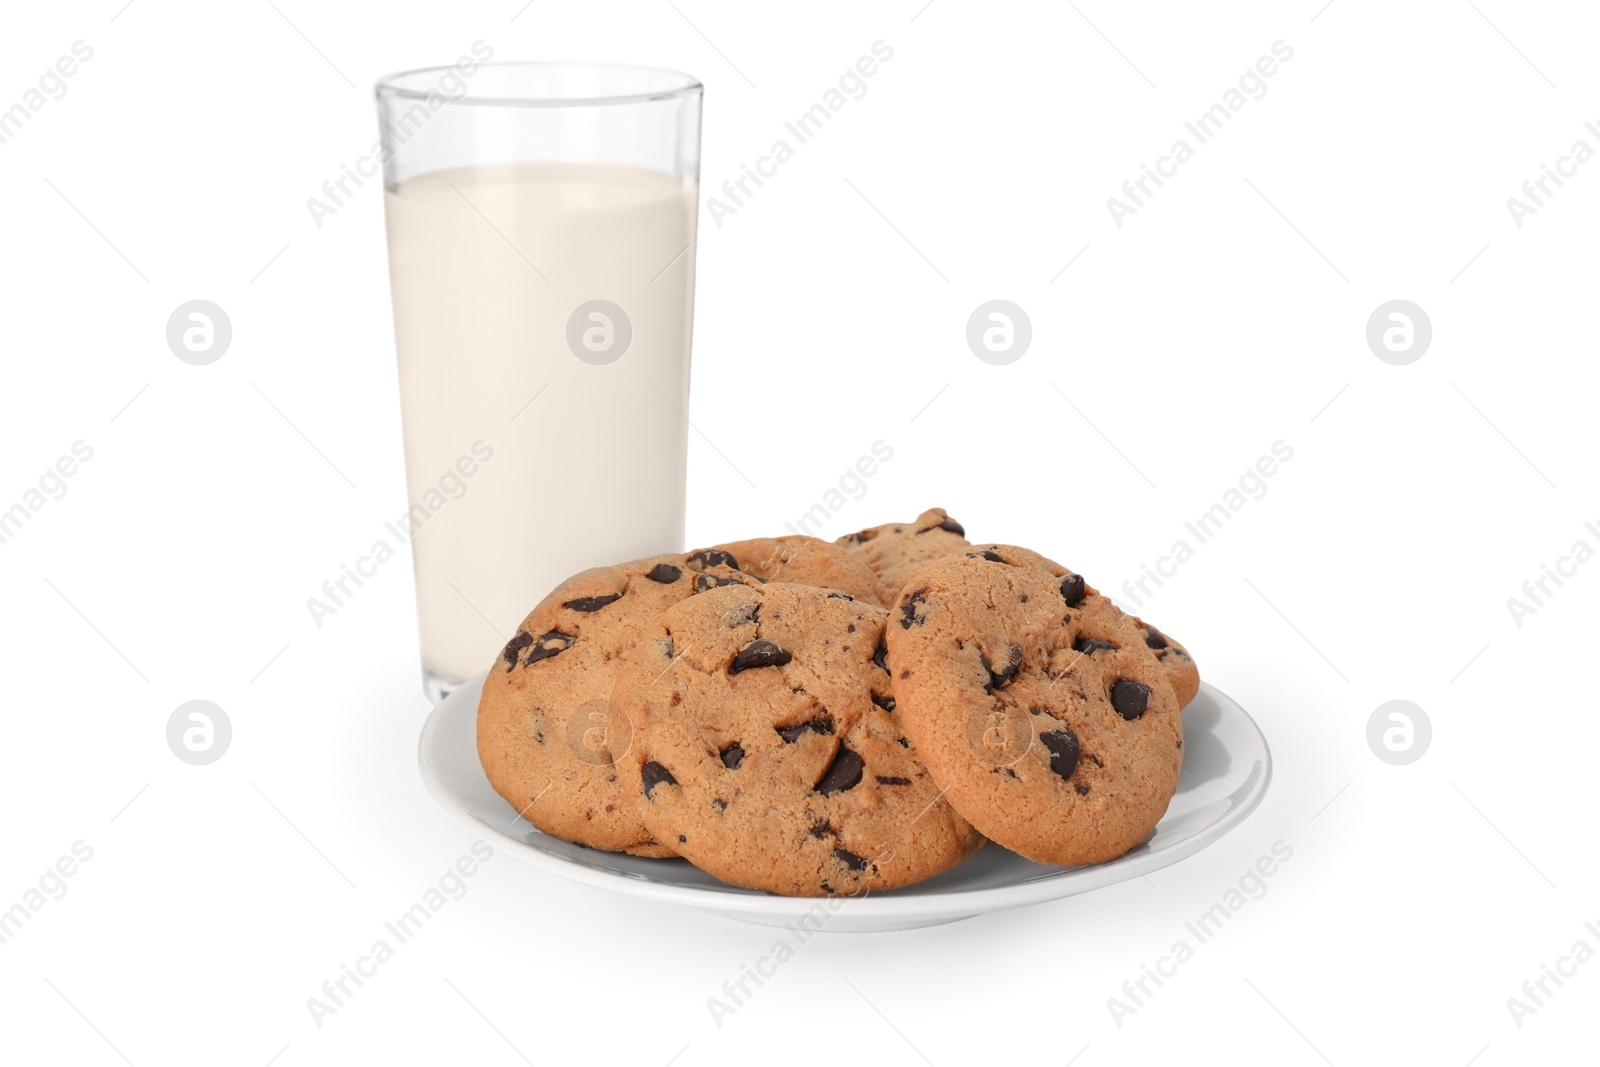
[1227,314]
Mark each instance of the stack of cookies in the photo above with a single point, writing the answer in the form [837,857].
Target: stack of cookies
[815,719]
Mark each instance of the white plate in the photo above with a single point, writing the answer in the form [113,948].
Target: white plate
[1226,768]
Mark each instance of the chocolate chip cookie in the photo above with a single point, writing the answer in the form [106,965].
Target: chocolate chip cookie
[1180,666]
[806,560]
[895,550]
[546,736]
[1036,704]
[767,751]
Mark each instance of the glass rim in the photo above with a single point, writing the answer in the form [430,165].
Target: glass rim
[675,84]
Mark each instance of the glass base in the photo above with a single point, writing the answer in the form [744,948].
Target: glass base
[438,686]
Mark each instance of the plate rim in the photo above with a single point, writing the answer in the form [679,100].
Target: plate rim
[948,904]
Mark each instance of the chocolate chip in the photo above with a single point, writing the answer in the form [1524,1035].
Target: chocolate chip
[1064,751]
[822,829]
[1130,698]
[551,644]
[880,657]
[988,554]
[843,773]
[592,603]
[665,573]
[886,703]
[653,774]
[682,839]
[1008,670]
[908,607]
[1154,637]
[850,859]
[950,525]
[720,804]
[907,744]
[861,537]
[1089,646]
[823,724]
[711,581]
[841,596]
[889,780]
[759,654]
[714,557]
[1072,590]
[514,646]
[1082,789]
[732,756]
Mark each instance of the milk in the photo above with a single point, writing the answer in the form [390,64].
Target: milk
[585,450]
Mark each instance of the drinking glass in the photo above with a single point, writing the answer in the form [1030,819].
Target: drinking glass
[541,226]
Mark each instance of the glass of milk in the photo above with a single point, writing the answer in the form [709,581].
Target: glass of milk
[541,224]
